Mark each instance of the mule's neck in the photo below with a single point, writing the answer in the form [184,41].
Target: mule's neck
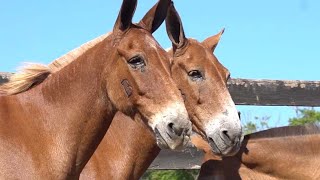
[292,157]
[73,112]
[126,151]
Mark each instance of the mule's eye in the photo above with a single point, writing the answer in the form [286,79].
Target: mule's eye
[136,62]
[195,75]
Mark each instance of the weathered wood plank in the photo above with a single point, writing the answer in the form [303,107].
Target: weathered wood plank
[275,92]
[266,92]
[4,77]
[190,158]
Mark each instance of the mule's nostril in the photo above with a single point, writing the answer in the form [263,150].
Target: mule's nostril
[170,125]
[225,133]
[210,139]
[239,114]
[177,131]
[227,138]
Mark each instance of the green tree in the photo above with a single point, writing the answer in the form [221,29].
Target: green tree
[305,116]
[249,127]
[170,175]
[258,124]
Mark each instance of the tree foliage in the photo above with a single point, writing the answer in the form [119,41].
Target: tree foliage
[305,116]
[258,124]
[170,175]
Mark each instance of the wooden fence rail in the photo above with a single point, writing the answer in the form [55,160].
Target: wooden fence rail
[4,77]
[265,92]
[243,92]
[275,92]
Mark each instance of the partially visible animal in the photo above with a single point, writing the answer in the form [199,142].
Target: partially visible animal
[278,153]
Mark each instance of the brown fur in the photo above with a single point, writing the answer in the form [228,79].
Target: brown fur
[279,153]
[51,130]
[128,157]
[131,155]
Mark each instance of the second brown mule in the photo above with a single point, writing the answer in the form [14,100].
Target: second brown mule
[202,80]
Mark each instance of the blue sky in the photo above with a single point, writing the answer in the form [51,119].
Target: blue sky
[263,39]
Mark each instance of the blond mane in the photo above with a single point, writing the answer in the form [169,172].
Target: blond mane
[33,74]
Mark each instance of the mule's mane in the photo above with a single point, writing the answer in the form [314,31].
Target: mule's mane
[287,131]
[33,74]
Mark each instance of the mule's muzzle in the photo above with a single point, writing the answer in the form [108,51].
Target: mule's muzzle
[172,126]
[173,135]
[174,130]
[225,143]
[229,138]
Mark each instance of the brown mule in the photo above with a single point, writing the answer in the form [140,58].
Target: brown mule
[202,80]
[53,118]
[279,153]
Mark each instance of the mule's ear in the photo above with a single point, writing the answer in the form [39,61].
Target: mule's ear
[155,16]
[212,42]
[174,28]
[124,19]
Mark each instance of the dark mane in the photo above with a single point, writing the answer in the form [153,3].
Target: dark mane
[286,131]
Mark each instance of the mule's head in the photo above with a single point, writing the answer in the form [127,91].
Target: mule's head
[202,79]
[138,78]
